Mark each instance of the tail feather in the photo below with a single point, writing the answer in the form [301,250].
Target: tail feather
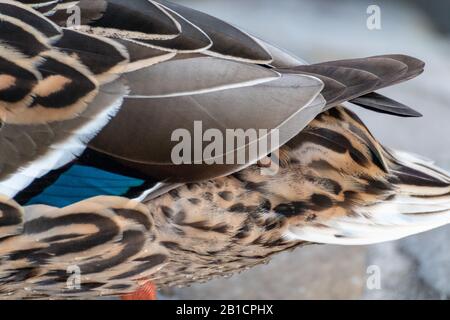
[414,197]
[413,208]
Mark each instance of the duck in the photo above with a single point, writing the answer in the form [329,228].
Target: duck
[96,98]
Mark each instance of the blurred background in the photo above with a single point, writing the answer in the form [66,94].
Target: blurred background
[318,30]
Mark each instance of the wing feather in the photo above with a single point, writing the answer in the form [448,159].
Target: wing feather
[384,104]
[346,80]
[191,39]
[29,17]
[41,148]
[138,19]
[154,120]
[229,42]
[179,77]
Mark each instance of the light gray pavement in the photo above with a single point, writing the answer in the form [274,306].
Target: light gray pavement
[414,268]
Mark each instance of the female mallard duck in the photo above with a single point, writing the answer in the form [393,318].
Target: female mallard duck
[91,93]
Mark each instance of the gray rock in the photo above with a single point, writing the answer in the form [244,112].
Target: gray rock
[399,275]
[314,272]
[431,252]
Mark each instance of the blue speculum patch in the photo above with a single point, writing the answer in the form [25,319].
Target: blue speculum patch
[83,182]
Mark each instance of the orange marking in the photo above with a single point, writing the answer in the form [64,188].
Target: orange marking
[147,291]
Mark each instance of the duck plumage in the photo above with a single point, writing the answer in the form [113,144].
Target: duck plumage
[86,174]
